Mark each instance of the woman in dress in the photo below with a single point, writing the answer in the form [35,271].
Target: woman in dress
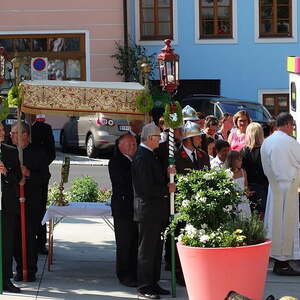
[211,148]
[257,181]
[237,136]
[234,163]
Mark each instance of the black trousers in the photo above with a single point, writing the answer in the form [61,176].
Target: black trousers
[150,253]
[126,233]
[32,226]
[42,230]
[8,229]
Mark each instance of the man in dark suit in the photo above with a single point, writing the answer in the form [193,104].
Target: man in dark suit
[126,230]
[189,155]
[150,211]
[10,176]
[34,170]
[42,136]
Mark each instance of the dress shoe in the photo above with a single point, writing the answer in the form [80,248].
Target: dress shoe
[159,290]
[284,269]
[148,294]
[43,250]
[9,287]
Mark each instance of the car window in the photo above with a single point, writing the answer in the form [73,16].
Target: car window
[200,105]
[218,112]
[256,111]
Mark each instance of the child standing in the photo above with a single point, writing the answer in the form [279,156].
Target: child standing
[234,163]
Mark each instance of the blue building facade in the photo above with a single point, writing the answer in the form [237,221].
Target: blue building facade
[250,62]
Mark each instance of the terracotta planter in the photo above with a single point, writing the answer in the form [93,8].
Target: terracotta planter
[210,273]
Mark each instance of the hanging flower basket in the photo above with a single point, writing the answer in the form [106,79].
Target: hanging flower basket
[144,102]
[173,115]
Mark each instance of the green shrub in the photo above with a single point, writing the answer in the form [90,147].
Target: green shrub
[83,189]
[53,193]
[104,195]
[207,206]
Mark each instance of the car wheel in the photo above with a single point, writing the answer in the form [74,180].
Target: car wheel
[63,142]
[91,150]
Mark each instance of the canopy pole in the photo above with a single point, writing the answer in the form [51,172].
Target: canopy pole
[22,203]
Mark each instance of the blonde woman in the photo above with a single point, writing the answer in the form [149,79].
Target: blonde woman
[236,138]
[257,181]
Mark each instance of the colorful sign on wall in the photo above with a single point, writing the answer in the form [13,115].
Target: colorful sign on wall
[39,68]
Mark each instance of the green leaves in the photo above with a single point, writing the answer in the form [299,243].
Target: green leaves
[206,202]
[83,189]
[127,58]
[14,96]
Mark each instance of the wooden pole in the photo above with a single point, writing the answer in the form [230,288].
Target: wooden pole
[22,203]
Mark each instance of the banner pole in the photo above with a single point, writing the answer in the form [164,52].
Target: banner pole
[172,209]
[22,204]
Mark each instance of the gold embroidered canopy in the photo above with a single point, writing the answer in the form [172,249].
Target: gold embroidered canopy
[81,98]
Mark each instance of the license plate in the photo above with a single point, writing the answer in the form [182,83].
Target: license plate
[10,121]
[124,127]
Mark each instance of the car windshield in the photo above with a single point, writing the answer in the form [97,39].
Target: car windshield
[256,111]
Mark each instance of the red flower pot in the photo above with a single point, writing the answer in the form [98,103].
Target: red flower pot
[211,273]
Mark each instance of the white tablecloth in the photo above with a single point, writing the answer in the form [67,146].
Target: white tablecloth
[77,209]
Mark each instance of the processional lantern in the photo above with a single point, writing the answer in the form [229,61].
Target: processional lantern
[168,63]
[169,80]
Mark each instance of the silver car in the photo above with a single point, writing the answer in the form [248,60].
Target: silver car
[92,132]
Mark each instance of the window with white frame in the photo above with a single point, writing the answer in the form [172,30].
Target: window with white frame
[275,18]
[216,19]
[156,19]
[276,103]
[275,21]
[65,52]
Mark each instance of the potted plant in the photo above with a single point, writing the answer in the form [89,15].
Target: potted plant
[219,249]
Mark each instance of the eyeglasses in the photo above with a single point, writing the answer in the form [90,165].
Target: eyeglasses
[13,132]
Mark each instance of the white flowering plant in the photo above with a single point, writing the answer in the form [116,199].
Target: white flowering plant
[207,215]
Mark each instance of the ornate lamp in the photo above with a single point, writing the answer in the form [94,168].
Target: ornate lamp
[168,71]
[168,68]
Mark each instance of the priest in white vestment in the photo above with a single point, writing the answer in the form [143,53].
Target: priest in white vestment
[280,155]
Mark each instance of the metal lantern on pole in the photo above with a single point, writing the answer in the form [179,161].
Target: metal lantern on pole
[169,80]
[168,63]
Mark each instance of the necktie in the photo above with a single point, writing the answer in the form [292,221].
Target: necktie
[194,158]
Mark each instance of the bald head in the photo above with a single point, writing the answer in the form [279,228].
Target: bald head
[127,144]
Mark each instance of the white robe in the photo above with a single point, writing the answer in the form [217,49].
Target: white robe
[280,155]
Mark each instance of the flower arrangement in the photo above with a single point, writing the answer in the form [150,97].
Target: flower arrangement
[206,202]
[144,102]
[173,115]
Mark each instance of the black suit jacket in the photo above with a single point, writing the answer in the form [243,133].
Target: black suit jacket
[119,168]
[150,188]
[42,136]
[10,181]
[35,159]
[184,163]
